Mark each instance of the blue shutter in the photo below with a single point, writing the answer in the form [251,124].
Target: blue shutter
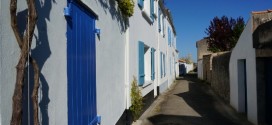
[141,63]
[170,66]
[159,22]
[152,64]
[168,35]
[163,29]
[141,3]
[164,64]
[152,10]
[161,66]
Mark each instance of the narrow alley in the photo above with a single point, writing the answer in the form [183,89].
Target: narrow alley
[190,102]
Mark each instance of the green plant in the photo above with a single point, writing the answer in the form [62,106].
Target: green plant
[136,100]
[126,7]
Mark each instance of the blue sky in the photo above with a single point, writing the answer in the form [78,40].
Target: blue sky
[192,17]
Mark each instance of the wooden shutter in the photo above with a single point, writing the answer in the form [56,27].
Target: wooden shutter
[141,74]
[152,64]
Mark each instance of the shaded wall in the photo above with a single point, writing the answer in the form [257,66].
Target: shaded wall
[220,75]
[207,69]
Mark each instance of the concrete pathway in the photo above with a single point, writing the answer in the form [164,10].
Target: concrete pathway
[190,102]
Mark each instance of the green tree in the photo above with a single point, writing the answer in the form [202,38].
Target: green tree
[187,59]
[136,100]
[223,33]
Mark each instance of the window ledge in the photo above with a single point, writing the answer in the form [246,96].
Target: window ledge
[147,16]
[146,84]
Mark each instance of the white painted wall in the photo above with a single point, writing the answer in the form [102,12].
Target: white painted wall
[50,53]
[244,50]
[142,30]
[116,58]
[163,46]
[110,61]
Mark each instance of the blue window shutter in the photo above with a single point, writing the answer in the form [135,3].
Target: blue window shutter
[152,64]
[159,22]
[141,3]
[164,64]
[141,74]
[170,38]
[161,66]
[163,29]
[168,35]
[170,62]
[152,10]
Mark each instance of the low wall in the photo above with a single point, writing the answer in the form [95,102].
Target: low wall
[220,75]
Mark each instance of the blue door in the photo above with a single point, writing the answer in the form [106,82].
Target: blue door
[81,67]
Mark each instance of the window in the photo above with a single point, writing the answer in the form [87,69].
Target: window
[163,26]
[146,71]
[141,3]
[163,65]
[159,19]
[169,36]
[170,62]
[148,9]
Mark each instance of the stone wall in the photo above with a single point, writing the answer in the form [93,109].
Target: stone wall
[220,75]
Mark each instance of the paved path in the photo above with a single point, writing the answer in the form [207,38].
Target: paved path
[190,102]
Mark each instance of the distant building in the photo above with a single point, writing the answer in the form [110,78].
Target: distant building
[202,49]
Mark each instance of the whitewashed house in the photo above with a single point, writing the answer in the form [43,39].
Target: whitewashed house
[88,55]
[250,69]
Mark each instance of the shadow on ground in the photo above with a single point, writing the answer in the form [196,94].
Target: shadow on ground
[202,99]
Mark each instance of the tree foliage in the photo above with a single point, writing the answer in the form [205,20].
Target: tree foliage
[188,59]
[223,33]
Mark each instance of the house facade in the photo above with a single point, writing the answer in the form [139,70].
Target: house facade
[88,54]
[202,49]
[250,70]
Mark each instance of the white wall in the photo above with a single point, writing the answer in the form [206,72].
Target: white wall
[110,61]
[50,52]
[244,50]
[163,46]
[142,30]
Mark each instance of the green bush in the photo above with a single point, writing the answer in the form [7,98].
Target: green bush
[126,7]
[136,100]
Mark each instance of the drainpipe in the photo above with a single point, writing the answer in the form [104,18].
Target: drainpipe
[127,85]
[158,63]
